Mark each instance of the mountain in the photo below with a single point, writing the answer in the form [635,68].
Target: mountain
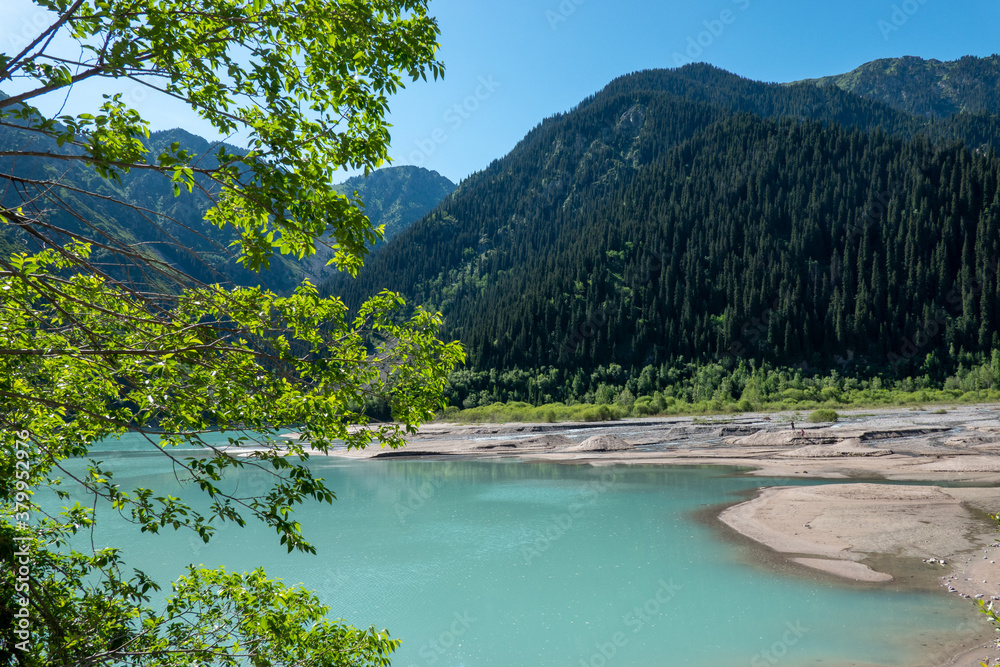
[142,211]
[925,87]
[398,196]
[395,197]
[692,214]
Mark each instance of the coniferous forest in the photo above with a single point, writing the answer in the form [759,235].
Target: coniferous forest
[684,218]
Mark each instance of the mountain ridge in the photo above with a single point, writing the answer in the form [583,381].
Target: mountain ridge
[927,87]
[530,266]
[142,210]
[398,196]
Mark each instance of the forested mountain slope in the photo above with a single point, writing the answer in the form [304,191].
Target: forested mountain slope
[398,196]
[693,214]
[142,210]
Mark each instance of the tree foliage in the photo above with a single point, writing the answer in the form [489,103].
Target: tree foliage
[99,337]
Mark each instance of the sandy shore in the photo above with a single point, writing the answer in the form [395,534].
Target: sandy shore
[901,535]
[922,531]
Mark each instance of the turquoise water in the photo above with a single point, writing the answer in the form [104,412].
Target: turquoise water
[500,563]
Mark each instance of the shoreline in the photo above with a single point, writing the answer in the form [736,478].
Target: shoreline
[856,530]
[876,543]
[952,648]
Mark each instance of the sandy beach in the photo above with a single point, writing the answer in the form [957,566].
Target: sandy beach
[933,533]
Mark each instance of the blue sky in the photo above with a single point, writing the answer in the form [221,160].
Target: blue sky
[511,63]
[544,56]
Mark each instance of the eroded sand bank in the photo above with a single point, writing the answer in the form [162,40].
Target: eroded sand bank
[862,532]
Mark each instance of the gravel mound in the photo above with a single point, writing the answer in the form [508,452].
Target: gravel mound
[601,443]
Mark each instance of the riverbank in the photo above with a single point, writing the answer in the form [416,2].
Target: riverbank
[869,534]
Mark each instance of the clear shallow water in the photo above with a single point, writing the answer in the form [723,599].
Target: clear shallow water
[500,563]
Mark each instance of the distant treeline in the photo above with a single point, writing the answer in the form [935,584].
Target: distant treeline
[684,389]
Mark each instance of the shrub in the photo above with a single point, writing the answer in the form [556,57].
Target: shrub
[818,416]
[598,413]
[625,400]
[830,394]
[793,394]
[644,406]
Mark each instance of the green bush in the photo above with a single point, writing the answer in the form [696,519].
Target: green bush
[644,408]
[598,413]
[830,394]
[818,416]
[625,400]
[793,394]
